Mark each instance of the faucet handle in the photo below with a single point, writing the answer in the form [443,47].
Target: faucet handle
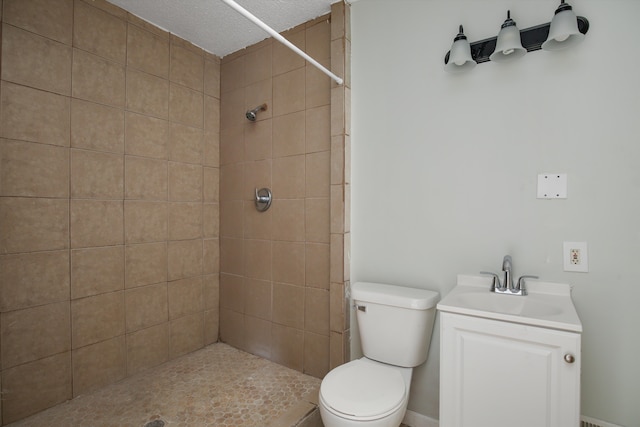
[496,280]
[521,281]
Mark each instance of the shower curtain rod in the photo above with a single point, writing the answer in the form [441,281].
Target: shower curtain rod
[244,12]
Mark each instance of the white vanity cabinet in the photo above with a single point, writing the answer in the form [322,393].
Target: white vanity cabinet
[499,374]
[496,372]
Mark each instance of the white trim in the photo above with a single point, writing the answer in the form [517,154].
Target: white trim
[414,419]
[251,17]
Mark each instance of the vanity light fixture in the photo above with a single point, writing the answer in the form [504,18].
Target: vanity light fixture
[460,59]
[508,45]
[565,30]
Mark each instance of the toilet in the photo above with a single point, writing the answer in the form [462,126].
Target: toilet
[395,325]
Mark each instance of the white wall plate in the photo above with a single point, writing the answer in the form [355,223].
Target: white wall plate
[552,186]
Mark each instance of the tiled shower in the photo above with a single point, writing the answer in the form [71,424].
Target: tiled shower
[277,296]
[127,234]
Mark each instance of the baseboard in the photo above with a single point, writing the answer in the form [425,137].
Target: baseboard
[414,419]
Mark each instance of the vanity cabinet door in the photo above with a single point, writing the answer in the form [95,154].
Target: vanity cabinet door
[501,374]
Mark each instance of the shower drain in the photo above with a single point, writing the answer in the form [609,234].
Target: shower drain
[155,423]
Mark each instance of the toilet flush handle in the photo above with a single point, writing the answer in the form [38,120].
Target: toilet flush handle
[362,308]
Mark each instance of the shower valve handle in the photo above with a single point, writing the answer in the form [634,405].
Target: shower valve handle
[263,199]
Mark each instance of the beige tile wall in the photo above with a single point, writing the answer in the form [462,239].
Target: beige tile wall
[340,190]
[109,199]
[282,283]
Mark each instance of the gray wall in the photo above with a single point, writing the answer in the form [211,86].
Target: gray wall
[445,166]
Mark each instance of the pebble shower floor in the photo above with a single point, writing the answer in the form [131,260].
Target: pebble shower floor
[215,386]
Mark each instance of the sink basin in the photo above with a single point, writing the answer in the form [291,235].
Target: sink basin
[497,303]
[547,304]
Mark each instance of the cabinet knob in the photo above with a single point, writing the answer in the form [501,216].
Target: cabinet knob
[569,358]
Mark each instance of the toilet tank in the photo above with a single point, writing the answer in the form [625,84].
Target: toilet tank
[395,322]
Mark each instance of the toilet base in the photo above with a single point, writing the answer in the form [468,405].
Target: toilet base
[333,418]
[330,419]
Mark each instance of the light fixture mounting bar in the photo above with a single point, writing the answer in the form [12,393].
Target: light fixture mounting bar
[532,39]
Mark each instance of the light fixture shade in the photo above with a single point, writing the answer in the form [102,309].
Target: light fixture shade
[564,31]
[460,58]
[509,44]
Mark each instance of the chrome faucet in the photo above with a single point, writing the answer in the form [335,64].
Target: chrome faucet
[507,264]
[507,286]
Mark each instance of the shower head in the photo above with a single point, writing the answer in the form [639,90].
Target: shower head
[252,114]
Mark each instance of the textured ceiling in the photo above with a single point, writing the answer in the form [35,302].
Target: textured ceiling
[216,27]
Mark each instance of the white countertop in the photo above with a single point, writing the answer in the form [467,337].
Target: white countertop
[546,305]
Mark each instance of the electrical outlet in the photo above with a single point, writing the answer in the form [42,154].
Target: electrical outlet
[575,257]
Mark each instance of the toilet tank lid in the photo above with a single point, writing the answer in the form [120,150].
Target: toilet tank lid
[396,296]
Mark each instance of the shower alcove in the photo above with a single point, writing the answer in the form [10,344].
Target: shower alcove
[128,236]
[283,273]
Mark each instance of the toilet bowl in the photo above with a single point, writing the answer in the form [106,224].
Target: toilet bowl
[365,393]
[395,325]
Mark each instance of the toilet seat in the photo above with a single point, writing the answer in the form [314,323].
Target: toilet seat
[363,390]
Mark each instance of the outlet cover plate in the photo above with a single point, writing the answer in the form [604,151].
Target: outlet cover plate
[552,186]
[582,266]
